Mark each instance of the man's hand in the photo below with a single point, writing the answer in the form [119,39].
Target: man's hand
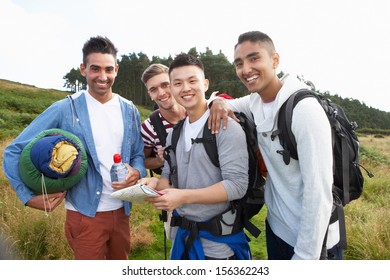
[47,202]
[150,181]
[170,199]
[131,179]
[160,155]
[219,110]
[152,162]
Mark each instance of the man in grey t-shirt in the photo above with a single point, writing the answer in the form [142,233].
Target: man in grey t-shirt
[203,190]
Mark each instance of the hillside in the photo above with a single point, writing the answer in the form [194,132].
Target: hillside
[20,104]
[38,237]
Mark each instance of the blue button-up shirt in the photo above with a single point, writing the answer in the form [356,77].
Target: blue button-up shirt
[71,114]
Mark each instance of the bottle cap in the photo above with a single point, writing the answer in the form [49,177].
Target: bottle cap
[117,158]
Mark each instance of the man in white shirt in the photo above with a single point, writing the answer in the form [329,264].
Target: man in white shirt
[97,225]
[298,196]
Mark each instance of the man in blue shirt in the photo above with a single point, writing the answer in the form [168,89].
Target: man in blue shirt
[97,226]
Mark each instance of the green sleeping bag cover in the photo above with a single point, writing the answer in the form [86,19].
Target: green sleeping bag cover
[33,178]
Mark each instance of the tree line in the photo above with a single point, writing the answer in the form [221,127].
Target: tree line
[221,73]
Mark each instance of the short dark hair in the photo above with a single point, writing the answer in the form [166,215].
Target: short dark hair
[256,36]
[185,59]
[98,44]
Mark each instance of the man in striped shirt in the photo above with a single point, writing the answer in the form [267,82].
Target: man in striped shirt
[156,81]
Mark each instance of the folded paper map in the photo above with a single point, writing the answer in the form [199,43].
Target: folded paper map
[135,194]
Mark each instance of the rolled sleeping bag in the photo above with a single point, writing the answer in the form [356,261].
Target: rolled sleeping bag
[54,161]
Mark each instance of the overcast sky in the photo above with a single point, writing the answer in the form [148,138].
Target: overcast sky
[341,46]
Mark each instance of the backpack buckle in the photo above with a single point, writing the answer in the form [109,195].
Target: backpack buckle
[187,224]
[286,156]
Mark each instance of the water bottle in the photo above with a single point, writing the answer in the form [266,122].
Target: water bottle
[118,170]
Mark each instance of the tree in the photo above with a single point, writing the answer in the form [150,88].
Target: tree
[74,80]
[223,78]
[221,74]
[193,52]
[128,81]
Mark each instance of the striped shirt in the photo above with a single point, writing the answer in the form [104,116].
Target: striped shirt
[149,135]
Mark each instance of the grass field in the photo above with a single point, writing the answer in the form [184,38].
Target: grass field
[31,234]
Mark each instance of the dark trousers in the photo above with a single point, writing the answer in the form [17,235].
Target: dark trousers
[279,250]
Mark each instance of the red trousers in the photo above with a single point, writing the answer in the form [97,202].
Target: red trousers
[104,237]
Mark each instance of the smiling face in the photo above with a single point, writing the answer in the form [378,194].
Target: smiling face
[100,72]
[159,90]
[188,86]
[256,64]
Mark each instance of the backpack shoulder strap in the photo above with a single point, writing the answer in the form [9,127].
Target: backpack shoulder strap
[171,159]
[210,145]
[287,138]
[177,128]
[158,126]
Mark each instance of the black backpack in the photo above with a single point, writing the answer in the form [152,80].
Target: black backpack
[347,176]
[161,134]
[253,201]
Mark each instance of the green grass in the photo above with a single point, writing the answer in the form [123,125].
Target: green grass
[259,251]
[368,218]
[20,104]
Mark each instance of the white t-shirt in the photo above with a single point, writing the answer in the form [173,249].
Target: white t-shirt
[107,130]
[191,130]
